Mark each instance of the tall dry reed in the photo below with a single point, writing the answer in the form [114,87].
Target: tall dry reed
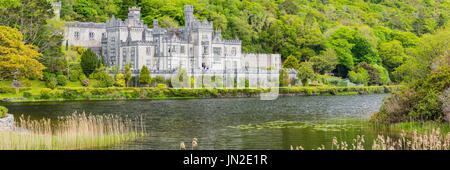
[432,141]
[77,131]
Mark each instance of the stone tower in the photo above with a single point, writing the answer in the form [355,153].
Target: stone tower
[134,13]
[188,15]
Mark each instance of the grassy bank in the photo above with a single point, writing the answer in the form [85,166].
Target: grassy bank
[117,93]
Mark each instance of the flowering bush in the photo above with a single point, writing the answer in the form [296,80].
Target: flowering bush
[421,101]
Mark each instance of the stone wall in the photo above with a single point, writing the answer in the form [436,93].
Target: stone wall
[7,123]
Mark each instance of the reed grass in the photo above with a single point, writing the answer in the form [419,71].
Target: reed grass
[77,131]
[418,141]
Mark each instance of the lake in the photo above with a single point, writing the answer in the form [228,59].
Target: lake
[232,123]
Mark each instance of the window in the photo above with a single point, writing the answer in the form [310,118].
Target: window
[77,35]
[133,51]
[217,51]
[148,51]
[91,35]
[204,36]
[205,50]
[124,58]
[182,49]
[148,63]
[233,51]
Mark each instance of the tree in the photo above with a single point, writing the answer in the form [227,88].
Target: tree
[89,62]
[120,80]
[144,76]
[284,78]
[291,62]
[392,54]
[361,76]
[384,74]
[18,60]
[373,75]
[421,63]
[305,73]
[128,73]
[33,18]
[352,48]
[104,79]
[325,62]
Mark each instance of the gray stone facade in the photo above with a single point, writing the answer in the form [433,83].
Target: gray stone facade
[196,47]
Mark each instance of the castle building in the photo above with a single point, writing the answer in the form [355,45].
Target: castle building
[196,47]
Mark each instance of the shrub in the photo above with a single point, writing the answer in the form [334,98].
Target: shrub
[361,76]
[22,89]
[48,76]
[45,93]
[8,90]
[120,80]
[51,83]
[89,62]
[161,86]
[27,94]
[420,101]
[26,83]
[74,75]
[69,94]
[105,80]
[62,80]
[144,77]
[305,72]
[3,111]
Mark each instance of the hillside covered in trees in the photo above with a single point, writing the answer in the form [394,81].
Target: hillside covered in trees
[381,32]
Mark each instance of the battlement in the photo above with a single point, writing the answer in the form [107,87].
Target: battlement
[134,9]
[204,24]
[188,8]
[86,24]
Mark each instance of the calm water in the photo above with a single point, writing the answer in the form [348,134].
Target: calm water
[170,121]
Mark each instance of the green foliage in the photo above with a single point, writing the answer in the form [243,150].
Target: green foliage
[128,73]
[325,62]
[351,48]
[284,78]
[430,49]
[392,54]
[361,76]
[45,93]
[17,59]
[373,75]
[305,72]
[51,83]
[89,62]
[423,99]
[383,74]
[74,75]
[291,62]
[120,80]
[144,76]
[3,111]
[61,79]
[27,94]
[104,79]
